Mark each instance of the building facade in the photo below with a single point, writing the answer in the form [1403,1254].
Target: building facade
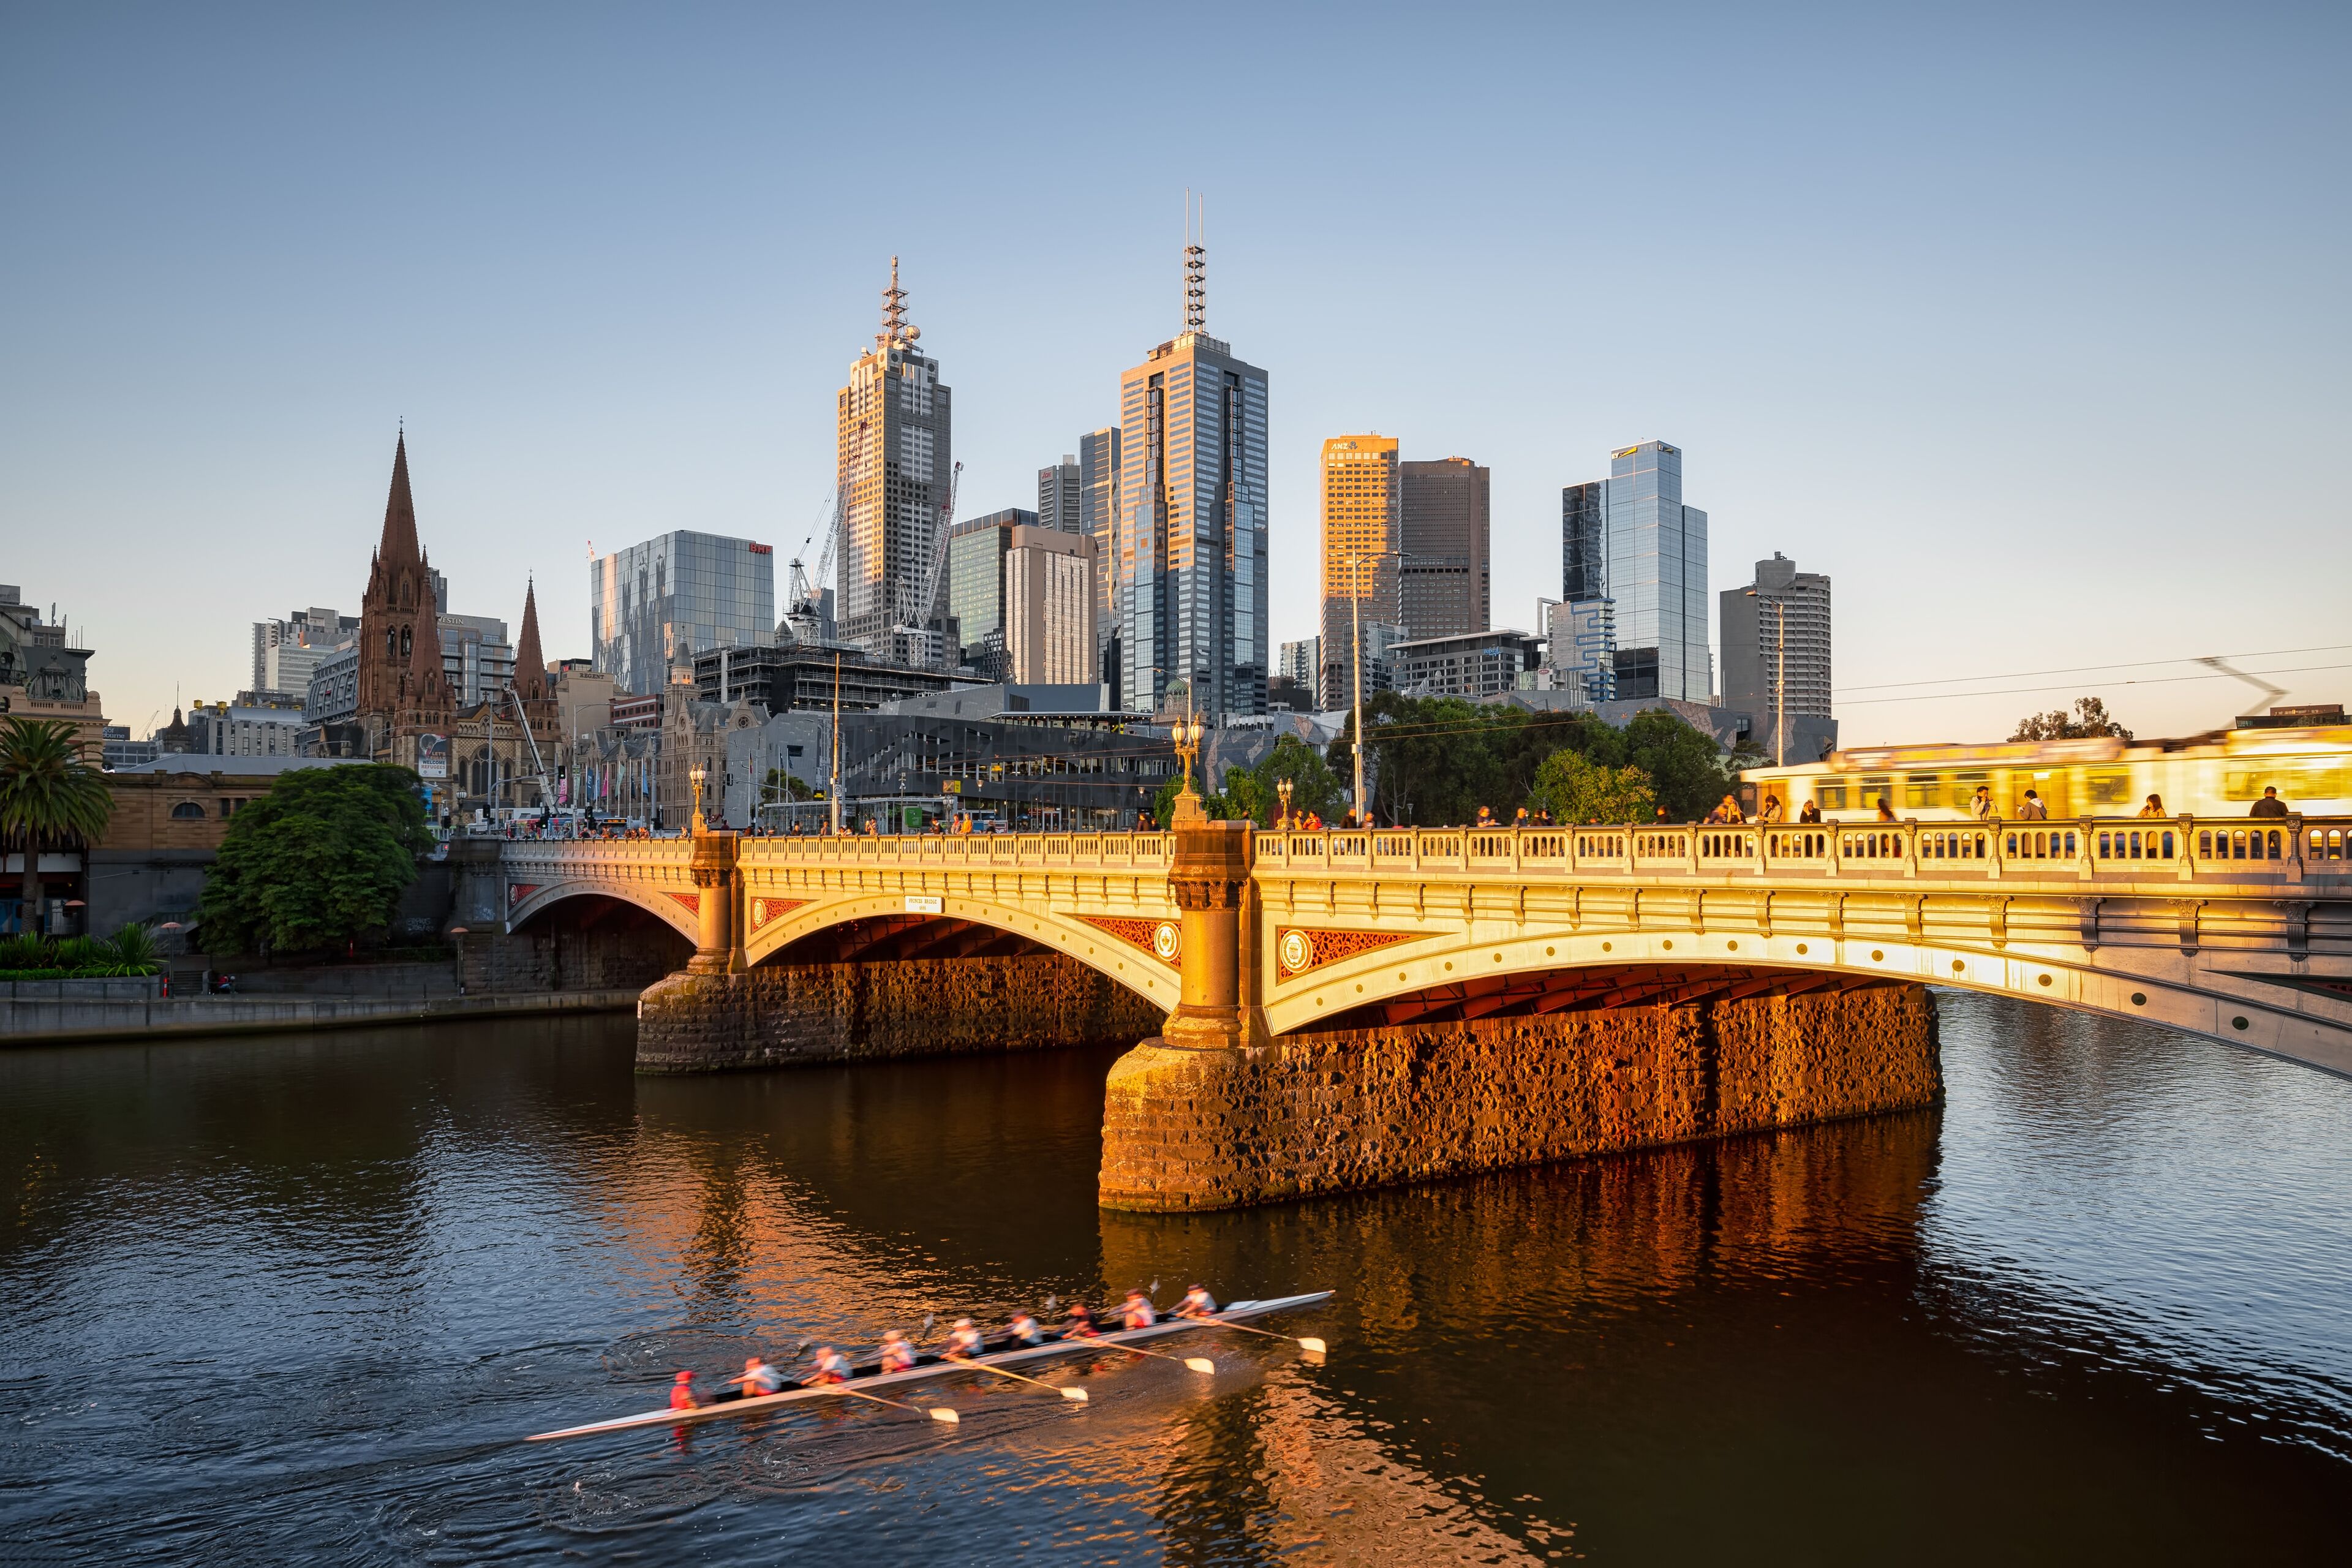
[1098,517]
[1776,640]
[789,680]
[1049,609]
[894,464]
[652,606]
[975,580]
[1189,562]
[223,730]
[1476,664]
[1062,496]
[41,678]
[1656,571]
[1363,530]
[286,653]
[1583,647]
[1445,584]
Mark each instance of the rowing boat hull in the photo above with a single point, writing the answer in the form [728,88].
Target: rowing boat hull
[1233,1312]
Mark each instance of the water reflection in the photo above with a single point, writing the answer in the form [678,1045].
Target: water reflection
[2094,1305]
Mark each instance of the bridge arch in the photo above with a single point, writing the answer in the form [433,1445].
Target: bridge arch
[530,902]
[1492,970]
[1125,962]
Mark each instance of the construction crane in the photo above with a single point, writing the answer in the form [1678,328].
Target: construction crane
[925,598]
[805,594]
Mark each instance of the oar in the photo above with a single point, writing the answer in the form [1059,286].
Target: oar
[1304,1342]
[1197,1363]
[936,1412]
[1076,1395]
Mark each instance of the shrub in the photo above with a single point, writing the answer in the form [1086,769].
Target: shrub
[134,949]
[25,952]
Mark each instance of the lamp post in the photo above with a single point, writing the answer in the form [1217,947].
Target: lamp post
[1282,787]
[695,777]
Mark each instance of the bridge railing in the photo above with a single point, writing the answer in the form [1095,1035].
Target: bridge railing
[2187,849]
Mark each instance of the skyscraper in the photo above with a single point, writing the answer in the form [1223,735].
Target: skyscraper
[1049,607]
[1190,560]
[1657,575]
[1445,586]
[1584,624]
[893,460]
[652,606]
[1363,523]
[1061,496]
[1098,511]
[1754,619]
[975,586]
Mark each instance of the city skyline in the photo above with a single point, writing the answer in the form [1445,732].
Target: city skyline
[1883,356]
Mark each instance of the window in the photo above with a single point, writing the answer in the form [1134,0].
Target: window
[188,810]
[2110,789]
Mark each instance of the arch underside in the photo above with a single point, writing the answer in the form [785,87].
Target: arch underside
[1483,973]
[653,901]
[880,928]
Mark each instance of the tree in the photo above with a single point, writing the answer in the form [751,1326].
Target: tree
[320,862]
[1685,765]
[780,786]
[2090,718]
[49,798]
[1574,789]
[1313,785]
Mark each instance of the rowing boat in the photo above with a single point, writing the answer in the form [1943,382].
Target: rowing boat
[1233,1312]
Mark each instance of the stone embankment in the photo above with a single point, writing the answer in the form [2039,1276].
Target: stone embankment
[785,1014]
[1186,1129]
[29,1021]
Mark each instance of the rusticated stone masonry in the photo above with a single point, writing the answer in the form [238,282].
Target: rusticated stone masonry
[1191,1128]
[784,1014]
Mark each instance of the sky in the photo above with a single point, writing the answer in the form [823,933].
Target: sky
[2027,325]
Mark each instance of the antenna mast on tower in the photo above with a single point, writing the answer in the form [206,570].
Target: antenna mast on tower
[1196,266]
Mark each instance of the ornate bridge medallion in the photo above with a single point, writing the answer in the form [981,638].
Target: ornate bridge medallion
[1297,949]
[1161,938]
[766,910]
[517,891]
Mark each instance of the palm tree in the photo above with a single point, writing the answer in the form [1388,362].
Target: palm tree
[49,795]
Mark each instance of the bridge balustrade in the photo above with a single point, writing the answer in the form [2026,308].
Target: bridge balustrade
[2328,844]
[1803,848]
[2040,844]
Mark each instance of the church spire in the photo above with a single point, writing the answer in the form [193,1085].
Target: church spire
[531,665]
[399,544]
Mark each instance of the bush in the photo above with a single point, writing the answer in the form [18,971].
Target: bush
[25,952]
[82,952]
[134,951]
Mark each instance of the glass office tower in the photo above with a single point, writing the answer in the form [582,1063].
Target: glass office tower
[1657,575]
[652,606]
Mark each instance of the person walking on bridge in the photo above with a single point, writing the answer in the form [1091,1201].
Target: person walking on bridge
[2031,809]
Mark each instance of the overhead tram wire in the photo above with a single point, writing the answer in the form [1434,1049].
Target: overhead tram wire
[2089,669]
[2027,690]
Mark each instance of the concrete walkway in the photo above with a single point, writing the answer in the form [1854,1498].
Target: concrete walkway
[45,1021]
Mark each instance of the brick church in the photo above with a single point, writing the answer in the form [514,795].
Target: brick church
[468,755]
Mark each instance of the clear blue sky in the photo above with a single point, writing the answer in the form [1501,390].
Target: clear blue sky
[2028,325]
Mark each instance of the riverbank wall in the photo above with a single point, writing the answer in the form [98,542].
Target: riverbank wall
[1348,1109]
[34,1022]
[795,1013]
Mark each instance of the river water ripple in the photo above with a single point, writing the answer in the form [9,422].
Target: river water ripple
[294,1300]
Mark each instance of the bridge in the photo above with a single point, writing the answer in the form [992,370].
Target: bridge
[2235,929]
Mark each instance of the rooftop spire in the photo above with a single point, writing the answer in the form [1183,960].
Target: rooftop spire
[1196,266]
[895,326]
[531,665]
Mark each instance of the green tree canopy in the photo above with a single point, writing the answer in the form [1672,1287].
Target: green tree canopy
[2089,719]
[1574,788]
[49,798]
[318,861]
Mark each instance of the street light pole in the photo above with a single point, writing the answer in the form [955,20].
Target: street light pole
[1355,658]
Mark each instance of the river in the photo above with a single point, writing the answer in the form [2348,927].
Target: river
[293,1300]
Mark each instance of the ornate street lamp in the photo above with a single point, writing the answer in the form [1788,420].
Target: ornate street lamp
[1282,787]
[695,776]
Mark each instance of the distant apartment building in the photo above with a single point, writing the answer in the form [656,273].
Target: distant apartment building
[1300,661]
[1581,635]
[652,606]
[477,659]
[286,653]
[1098,518]
[1445,582]
[1474,664]
[221,729]
[1049,609]
[1364,521]
[333,695]
[1776,649]
[894,464]
[1062,496]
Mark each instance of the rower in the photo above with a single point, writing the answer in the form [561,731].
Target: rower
[898,1355]
[830,1367]
[964,1342]
[1136,1311]
[1197,1303]
[1079,1323]
[681,1391]
[1025,1330]
[759,1378]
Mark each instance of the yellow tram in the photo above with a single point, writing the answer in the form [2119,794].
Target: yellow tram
[2218,775]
